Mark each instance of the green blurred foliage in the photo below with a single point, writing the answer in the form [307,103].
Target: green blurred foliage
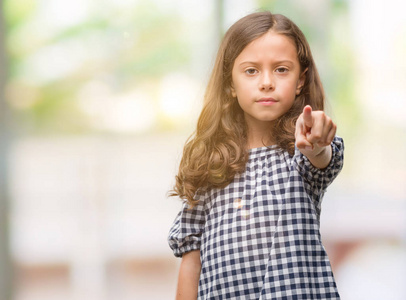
[134,48]
[18,10]
[122,48]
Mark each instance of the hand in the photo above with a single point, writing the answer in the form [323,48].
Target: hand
[314,131]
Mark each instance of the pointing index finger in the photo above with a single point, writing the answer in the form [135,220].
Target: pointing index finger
[307,116]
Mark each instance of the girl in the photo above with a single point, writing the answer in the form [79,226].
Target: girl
[254,174]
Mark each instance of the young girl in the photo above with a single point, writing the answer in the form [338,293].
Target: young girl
[255,171]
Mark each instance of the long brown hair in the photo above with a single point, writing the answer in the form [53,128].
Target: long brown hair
[216,152]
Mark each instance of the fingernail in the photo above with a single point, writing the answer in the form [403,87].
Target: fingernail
[309,148]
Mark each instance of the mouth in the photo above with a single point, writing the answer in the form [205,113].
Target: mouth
[266,101]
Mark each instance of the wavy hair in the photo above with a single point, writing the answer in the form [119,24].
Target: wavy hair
[217,150]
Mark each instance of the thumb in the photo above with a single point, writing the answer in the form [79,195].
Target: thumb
[307,116]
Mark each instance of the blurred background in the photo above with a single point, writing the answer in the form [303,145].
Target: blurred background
[97,100]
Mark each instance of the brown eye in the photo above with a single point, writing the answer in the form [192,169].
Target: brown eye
[281,70]
[251,71]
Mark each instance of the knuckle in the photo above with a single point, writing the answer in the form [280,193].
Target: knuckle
[316,136]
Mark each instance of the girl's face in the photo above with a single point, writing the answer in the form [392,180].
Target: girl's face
[266,78]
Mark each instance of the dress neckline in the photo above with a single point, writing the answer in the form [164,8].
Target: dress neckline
[255,152]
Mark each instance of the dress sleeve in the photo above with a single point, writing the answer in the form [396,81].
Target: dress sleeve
[317,180]
[186,231]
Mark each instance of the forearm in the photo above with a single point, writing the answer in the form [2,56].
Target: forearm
[189,274]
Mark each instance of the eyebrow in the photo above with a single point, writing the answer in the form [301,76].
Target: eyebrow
[276,62]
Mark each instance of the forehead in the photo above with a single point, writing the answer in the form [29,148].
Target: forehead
[270,46]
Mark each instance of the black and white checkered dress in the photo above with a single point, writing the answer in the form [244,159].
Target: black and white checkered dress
[259,237]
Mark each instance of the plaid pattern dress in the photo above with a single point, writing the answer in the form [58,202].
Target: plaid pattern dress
[259,236]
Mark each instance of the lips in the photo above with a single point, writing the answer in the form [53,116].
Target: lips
[266,101]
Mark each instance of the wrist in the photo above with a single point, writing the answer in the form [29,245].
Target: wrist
[317,151]
[320,156]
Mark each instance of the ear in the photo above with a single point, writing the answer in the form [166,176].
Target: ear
[301,81]
[233,93]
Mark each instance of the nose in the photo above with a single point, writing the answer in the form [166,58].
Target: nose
[266,83]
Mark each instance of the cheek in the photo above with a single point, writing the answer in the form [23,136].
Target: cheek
[243,103]
[289,89]
[237,88]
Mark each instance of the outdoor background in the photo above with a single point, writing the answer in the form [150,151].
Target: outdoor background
[97,100]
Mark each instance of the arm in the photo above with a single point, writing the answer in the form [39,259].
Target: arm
[189,274]
[314,133]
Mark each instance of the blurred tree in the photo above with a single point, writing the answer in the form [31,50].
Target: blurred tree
[50,64]
[6,270]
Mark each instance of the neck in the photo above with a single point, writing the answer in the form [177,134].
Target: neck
[260,136]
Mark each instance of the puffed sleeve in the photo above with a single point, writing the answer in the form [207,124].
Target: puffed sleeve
[186,231]
[317,180]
